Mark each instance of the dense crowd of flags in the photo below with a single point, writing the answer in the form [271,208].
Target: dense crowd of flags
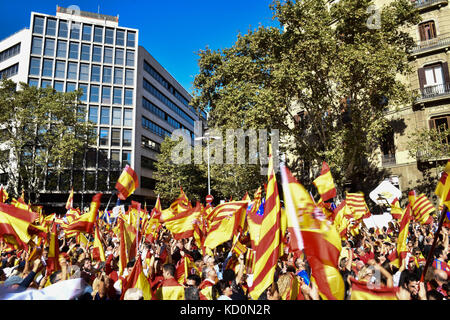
[258,229]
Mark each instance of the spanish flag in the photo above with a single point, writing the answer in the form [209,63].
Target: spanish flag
[69,203]
[127,236]
[396,210]
[53,251]
[364,291]
[184,268]
[268,249]
[98,253]
[325,183]
[182,225]
[402,247]
[180,205]
[443,186]
[85,223]
[3,195]
[127,183]
[137,279]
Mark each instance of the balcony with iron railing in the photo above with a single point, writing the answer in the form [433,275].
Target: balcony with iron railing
[434,93]
[426,155]
[440,42]
[428,4]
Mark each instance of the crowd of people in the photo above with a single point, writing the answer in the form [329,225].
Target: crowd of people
[367,257]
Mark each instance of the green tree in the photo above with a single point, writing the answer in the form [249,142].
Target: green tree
[41,130]
[324,78]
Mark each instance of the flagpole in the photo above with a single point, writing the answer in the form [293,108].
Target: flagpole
[436,236]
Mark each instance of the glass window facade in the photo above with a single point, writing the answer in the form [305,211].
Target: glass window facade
[97,54]
[115,137]
[73,50]
[131,38]
[36,45]
[61,49]
[108,55]
[63,31]
[104,115]
[127,117]
[75,30]
[84,72]
[107,75]
[109,36]
[49,49]
[85,52]
[95,73]
[38,26]
[51,27]
[117,116]
[93,114]
[117,97]
[72,70]
[104,137]
[47,68]
[119,57]
[60,69]
[84,88]
[120,38]
[94,94]
[118,76]
[128,99]
[87,32]
[98,34]
[126,141]
[106,95]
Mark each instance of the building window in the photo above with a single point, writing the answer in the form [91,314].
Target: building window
[11,52]
[61,49]
[434,79]
[35,66]
[148,183]
[119,57]
[149,106]
[126,158]
[84,72]
[126,138]
[128,101]
[51,27]
[153,127]
[130,58]
[47,68]
[106,95]
[148,163]
[104,115]
[104,137]
[441,124]
[72,71]
[87,32]
[108,55]
[38,26]
[46,83]
[10,71]
[49,49]
[63,29]
[73,50]
[95,73]
[84,88]
[75,30]
[131,38]
[33,82]
[116,116]
[427,30]
[129,77]
[93,114]
[127,117]
[60,69]
[94,94]
[109,36]
[85,52]
[115,137]
[98,34]
[117,96]
[107,74]
[59,86]
[115,158]
[70,87]
[118,76]
[150,144]
[36,46]
[97,54]
[120,37]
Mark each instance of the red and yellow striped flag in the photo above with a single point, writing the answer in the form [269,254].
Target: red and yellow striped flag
[443,186]
[226,220]
[254,220]
[362,291]
[98,253]
[85,223]
[357,205]
[127,249]
[127,183]
[184,268]
[402,247]
[69,203]
[268,249]
[182,225]
[325,183]
[53,251]
[137,279]
[396,210]
[3,195]
[423,209]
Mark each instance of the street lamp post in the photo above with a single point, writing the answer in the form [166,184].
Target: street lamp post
[207,137]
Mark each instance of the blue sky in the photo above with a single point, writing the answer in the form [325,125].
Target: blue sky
[172,31]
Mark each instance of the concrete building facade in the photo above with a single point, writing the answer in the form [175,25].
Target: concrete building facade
[132,100]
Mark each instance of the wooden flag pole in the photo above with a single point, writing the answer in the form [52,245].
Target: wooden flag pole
[436,236]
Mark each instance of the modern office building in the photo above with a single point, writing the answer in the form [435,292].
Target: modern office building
[134,102]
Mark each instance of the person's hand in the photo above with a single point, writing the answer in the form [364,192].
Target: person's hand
[241,259]
[422,292]
[36,265]
[182,253]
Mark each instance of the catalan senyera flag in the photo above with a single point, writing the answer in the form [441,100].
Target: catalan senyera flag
[443,186]
[358,205]
[182,225]
[423,209]
[98,253]
[127,183]
[137,279]
[246,197]
[325,183]
[85,223]
[362,291]
[53,251]
[402,247]
[69,203]
[226,219]
[254,220]
[268,249]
